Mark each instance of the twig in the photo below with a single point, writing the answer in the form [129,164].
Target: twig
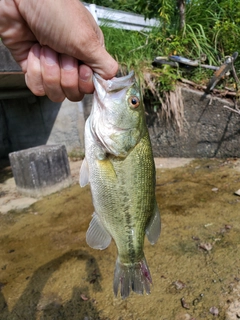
[199,86]
[235,76]
[191,83]
[236,111]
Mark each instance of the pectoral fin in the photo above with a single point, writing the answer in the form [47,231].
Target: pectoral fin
[84,174]
[97,236]
[154,227]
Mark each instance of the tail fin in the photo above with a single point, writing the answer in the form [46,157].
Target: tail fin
[131,276]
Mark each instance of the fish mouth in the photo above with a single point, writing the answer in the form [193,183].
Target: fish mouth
[117,137]
[114,84]
[117,88]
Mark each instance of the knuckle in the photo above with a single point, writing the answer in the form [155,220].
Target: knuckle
[68,83]
[57,97]
[75,97]
[38,91]
[35,85]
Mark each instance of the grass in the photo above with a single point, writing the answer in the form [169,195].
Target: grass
[131,49]
[136,50]
[76,154]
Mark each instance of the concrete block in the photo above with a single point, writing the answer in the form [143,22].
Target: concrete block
[41,170]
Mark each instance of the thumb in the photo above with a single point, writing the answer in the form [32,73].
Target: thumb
[102,63]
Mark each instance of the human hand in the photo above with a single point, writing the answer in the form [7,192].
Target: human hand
[48,39]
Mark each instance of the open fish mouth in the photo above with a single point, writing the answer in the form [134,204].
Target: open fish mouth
[107,91]
[114,84]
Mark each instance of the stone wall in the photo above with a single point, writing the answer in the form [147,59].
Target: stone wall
[28,121]
[209,129]
[34,121]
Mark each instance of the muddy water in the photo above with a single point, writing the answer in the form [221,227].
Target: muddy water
[48,272]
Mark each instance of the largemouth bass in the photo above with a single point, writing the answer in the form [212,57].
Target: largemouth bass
[120,168]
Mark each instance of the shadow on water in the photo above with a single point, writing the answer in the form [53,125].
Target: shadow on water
[29,303]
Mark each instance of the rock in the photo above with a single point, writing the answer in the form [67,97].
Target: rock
[17,205]
[237,193]
[233,311]
[184,303]
[214,311]
[205,246]
[179,285]
[185,316]
[41,170]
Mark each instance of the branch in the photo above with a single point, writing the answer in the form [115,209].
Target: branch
[201,87]
[233,110]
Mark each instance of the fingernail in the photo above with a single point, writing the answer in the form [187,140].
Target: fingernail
[50,56]
[67,62]
[85,73]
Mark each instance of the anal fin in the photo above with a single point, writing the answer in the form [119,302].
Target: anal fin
[97,236]
[154,227]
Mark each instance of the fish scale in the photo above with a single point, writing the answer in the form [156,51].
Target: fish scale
[136,221]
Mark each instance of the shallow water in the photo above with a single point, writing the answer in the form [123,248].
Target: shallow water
[47,271]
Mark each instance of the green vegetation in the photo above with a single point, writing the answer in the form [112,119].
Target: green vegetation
[193,29]
[188,28]
[76,154]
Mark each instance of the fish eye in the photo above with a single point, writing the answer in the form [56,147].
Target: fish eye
[134,101]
